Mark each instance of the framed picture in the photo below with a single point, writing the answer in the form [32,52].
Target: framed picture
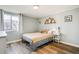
[68,18]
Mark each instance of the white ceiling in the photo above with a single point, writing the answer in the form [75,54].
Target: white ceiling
[44,10]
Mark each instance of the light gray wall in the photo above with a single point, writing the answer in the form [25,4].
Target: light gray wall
[29,24]
[12,35]
[70,30]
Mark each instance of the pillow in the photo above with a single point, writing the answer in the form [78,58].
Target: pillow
[53,31]
[44,31]
[50,32]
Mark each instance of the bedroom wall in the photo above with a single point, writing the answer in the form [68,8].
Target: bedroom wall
[70,30]
[29,24]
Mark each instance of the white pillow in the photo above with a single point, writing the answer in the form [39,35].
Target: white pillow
[50,32]
[53,31]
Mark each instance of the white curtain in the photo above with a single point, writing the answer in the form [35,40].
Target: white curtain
[20,23]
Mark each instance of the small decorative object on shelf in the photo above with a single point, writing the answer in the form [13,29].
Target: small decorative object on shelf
[50,21]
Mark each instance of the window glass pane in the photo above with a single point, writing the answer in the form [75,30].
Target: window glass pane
[7,16]
[15,23]
[7,22]
[15,18]
[7,25]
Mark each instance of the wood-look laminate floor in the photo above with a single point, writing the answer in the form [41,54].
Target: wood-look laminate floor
[49,48]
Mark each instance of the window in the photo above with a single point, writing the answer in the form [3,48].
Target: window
[7,22]
[15,23]
[11,22]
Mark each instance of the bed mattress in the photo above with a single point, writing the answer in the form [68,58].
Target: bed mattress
[35,37]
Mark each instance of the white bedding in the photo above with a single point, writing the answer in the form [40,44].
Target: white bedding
[31,35]
[34,37]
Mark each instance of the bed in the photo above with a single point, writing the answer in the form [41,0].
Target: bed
[37,39]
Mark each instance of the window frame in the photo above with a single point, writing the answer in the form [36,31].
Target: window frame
[11,14]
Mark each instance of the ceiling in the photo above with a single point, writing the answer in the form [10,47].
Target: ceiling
[44,10]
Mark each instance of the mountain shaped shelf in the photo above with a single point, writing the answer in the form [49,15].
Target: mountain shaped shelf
[50,21]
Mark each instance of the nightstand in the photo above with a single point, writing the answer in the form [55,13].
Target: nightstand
[57,38]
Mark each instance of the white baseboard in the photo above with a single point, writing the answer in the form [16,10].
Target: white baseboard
[70,44]
[13,41]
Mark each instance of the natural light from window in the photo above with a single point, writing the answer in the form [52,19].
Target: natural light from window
[11,22]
